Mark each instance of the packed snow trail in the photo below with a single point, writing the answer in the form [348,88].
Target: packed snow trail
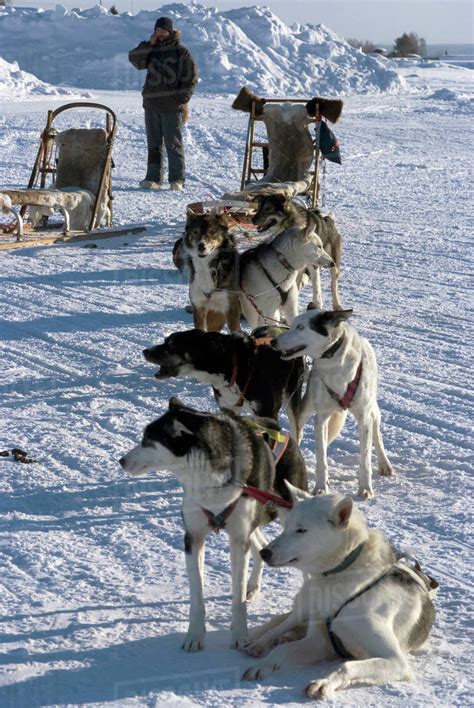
[95,597]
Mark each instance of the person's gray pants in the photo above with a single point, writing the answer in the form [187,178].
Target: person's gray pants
[164,127]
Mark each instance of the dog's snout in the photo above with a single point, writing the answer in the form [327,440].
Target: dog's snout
[265,554]
[201,247]
[122,462]
[146,353]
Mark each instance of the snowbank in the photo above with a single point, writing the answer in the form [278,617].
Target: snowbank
[89,48]
[15,83]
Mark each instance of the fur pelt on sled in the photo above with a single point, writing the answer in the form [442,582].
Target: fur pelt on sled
[43,202]
[82,154]
[244,100]
[329,108]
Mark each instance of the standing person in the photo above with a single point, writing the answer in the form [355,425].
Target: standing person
[169,84]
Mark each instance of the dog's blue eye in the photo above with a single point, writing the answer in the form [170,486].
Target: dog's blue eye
[301,530]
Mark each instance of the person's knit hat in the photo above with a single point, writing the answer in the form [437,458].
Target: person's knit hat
[165,23]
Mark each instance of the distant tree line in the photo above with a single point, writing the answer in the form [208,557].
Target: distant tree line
[408,43]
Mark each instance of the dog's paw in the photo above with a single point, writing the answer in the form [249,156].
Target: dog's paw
[193,643]
[291,636]
[365,493]
[319,689]
[255,648]
[386,469]
[238,642]
[253,593]
[259,672]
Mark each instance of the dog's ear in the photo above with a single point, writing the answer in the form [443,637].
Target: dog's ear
[223,219]
[342,513]
[337,316]
[175,402]
[180,429]
[330,318]
[296,494]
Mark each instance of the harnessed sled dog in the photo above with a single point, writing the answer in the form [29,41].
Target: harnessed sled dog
[359,600]
[207,255]
[343,377]
[220,461]
[276,212]
[269,273]
[246,373]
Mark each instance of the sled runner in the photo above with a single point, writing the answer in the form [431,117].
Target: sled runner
[72,174]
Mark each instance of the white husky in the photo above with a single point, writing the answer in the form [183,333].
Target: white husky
[343,376]
[269,274]
[360,600]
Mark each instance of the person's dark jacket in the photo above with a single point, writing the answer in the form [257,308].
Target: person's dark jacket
[171,73]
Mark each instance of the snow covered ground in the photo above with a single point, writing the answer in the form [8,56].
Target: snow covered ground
[94,593]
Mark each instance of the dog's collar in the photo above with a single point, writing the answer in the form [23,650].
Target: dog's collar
[348,560]
[351,390]
[330,351]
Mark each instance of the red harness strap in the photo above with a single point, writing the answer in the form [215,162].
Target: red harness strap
[265,497]
[351,390]
[235,368]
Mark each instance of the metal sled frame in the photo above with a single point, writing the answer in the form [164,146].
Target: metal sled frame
[43,175]
[248,169]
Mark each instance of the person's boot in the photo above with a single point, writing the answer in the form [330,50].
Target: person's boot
[150,184]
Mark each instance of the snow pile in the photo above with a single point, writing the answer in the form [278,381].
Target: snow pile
[89,48]
[15,83]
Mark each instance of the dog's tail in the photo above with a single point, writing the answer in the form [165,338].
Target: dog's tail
[293,394]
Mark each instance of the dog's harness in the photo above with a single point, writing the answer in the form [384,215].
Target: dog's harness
[215,280]
[351,390]
[279,440]
[425,582]
[217,522]
[256,342]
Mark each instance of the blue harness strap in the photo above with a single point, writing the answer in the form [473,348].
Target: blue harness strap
[337,644]
[425,581]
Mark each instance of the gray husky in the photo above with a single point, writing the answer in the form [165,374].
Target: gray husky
[269,274]
[276,213]
[216,458]
[360,600]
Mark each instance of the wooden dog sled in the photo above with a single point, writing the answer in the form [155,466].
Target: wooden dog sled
[290,154]
[72,174]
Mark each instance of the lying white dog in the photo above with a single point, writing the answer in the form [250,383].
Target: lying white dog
[343,376]
[360,600]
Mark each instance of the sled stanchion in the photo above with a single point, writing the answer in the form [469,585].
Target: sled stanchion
[246,154]
[317,129]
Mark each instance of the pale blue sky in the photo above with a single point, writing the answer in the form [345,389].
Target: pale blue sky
[438,21]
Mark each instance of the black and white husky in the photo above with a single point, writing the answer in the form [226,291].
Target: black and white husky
[213,456]
[275,213]
[269,274]
[360,600]
[246,373]
[343,377]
